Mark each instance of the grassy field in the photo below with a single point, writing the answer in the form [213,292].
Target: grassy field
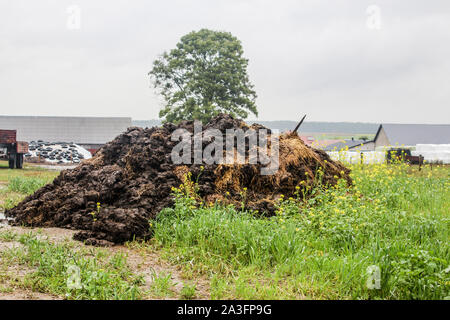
[385,237]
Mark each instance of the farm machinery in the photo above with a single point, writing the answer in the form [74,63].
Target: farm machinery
[15,150]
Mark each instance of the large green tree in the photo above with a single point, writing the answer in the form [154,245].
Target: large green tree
[205,74]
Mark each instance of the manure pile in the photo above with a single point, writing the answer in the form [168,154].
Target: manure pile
[132,177]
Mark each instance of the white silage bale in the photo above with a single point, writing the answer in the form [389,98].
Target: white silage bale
[443,148]
[380,156]
[444,156]
[355,157]
[421,148]
[369,157]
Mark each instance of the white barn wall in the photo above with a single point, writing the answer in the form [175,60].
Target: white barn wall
[81,130]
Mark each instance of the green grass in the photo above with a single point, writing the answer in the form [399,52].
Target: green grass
[26,185]
[28,171]
[16,184]
[394,218]
[188,291]
[162,285]
[69,272]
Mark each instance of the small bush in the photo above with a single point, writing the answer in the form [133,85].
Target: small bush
[162,285]
[188,291]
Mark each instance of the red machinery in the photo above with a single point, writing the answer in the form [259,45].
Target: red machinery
[15,149]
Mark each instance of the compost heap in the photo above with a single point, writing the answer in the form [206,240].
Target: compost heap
[112,196]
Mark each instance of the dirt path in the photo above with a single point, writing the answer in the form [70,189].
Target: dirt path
[143,260]
[20,294]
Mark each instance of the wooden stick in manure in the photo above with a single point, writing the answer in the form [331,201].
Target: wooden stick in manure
[299,124]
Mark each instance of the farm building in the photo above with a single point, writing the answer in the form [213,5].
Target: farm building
[408,135]
[411,134]
[89,132]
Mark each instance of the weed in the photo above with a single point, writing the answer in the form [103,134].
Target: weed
[162,285]
[188,291]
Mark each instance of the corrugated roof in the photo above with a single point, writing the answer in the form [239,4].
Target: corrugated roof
[341,145]
[412,134]
[81,130]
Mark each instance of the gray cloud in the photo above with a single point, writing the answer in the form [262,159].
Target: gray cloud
[314,57]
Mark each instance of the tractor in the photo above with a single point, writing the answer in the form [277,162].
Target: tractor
[15,150]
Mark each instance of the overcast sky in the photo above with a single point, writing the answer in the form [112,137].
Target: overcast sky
[380,61]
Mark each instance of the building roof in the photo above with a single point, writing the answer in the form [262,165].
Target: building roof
[321,144]
[347,143]
[81,130]
[412,134]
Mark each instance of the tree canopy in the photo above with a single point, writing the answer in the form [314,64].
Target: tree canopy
[206,74]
